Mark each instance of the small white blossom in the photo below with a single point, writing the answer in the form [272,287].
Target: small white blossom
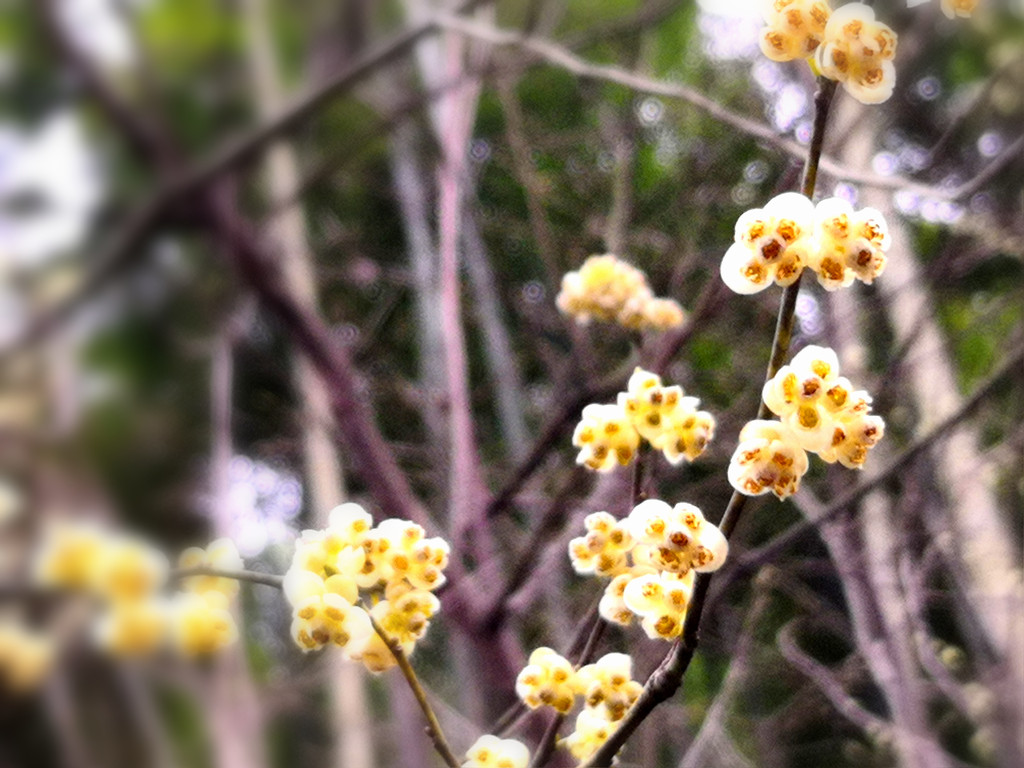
[772,245]
[857,51]
[768,458]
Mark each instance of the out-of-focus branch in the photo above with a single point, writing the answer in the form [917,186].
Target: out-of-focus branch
[355,422]
[551,523]
[558,56]
[827,683]
[912,581]
[150,143]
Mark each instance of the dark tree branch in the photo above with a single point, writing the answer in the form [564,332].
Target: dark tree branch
[667,678]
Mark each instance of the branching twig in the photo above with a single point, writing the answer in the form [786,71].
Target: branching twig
[558,56]
[827,683]
[433,726]
[253,577]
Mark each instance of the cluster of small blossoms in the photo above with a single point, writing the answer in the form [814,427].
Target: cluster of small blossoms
[773,244]
[795,28]
[26,656]
[607,288]
[395,563]
[609,435]
[491,752]
[127,575]
[857,50]
[952,8]
[650,557]
[606,687]
[849,46]
[819,412]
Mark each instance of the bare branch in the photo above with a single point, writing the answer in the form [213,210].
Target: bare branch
[433,725]
[558,56]
[827,683]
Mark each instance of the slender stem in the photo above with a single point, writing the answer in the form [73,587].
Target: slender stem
[546,748]
[433,728]
[592,640]
[254,577]
[667,678]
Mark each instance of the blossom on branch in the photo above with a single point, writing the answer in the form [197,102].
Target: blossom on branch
[794,30]
[772,244]
[222,555]
[768,458]
[651,557]
[667,419]
[606,437]
[821,408]
[776,243]
[850,245]
[857,51]
[26,657]
[548,679]
[491,752]
[202,624]
[608,289]
[394,564]
[951,8]
[819,412]
[609,435]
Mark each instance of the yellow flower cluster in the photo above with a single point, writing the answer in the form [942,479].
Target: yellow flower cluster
[608,692]
[606,687]
[850,245]
[660,601]
[857,51]
[772,244]
[604,549]
[609,435]
[665,418]
[548,679]
[848,46]
[220,555]
[607,288]
[775,243]
[962,8]
[492,752]
[767,459]
[395,561]
[795,28]
[26,657]
[127,575]
[606,437]
[651,557]
[819,412]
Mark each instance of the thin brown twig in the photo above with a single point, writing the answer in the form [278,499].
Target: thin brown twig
[546,747]
[433,728]
[253,577]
